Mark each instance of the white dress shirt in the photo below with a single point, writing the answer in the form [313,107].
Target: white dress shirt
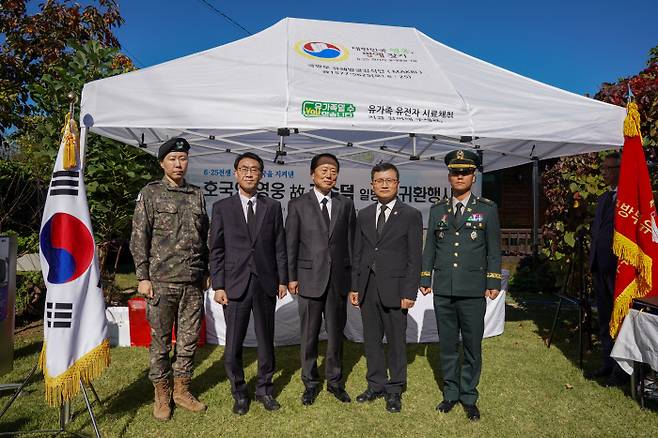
[320,197]
[244,200]
[387,212]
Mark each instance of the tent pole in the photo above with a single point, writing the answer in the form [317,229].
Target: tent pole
[535,207]
[280,152]
[83,147]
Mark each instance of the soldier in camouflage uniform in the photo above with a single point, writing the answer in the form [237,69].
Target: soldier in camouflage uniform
[169,246]
[462,248]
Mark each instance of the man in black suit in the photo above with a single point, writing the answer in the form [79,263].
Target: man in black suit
[385,279]
[603,264]
[248,267]
[320,234]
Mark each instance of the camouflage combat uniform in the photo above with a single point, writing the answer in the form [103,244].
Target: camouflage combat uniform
[169,246]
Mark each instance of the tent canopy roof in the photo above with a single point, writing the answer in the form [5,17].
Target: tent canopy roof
[366,93]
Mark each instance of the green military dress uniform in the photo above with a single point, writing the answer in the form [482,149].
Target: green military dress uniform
[169,247]
[462,256]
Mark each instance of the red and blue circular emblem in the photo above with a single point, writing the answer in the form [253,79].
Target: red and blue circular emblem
[321,50]
[67,246]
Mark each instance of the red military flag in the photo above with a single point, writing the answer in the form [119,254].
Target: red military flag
[635,241]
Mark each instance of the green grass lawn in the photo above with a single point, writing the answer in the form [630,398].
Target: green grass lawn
[527,390]
[125,281]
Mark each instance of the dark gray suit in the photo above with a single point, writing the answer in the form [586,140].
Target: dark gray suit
[387,269]
[319,258]
[250,270]
[603,265]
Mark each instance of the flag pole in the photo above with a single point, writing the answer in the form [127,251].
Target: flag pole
[83,162]
[89,409]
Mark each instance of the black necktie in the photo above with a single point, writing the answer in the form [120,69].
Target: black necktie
[325,212]
[251,219]
[381,220]
[458,211]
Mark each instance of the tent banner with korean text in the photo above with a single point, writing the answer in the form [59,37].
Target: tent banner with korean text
[420,189]
[634,241]
[75,343]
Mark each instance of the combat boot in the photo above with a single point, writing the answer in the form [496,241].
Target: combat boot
[162,404]
[183,397]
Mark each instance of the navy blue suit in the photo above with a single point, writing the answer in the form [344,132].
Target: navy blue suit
[250,269]
[603,265]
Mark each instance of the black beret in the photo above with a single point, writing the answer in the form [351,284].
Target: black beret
[173,145]
[462,160]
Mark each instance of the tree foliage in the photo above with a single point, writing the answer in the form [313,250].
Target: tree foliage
[573,184]
[44,57]
[644,86]
[21,196]
[32,44]
[114,173]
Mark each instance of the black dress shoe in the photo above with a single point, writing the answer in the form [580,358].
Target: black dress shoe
[472,412]
[598,373]
[241,406]
[269,402]
[446,406]
[309,396]
[369,395]
[393,403]
[340,394]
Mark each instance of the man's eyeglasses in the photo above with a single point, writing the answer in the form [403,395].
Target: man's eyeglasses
[247,170]
[380,181]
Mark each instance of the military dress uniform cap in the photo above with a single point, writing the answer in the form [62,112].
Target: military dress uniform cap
[173,145]
[462,160]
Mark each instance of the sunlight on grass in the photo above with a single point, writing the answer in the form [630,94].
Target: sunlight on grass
[526,390]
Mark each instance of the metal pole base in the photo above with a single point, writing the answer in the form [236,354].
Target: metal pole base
[65,413]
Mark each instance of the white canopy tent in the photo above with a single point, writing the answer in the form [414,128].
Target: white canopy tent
[365,92]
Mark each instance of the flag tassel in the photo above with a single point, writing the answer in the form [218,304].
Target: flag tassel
[622,304]
[66,385]
[628,251]
[632,121]
[71,143]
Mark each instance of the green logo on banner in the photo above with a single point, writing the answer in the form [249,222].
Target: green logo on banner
[312,108]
